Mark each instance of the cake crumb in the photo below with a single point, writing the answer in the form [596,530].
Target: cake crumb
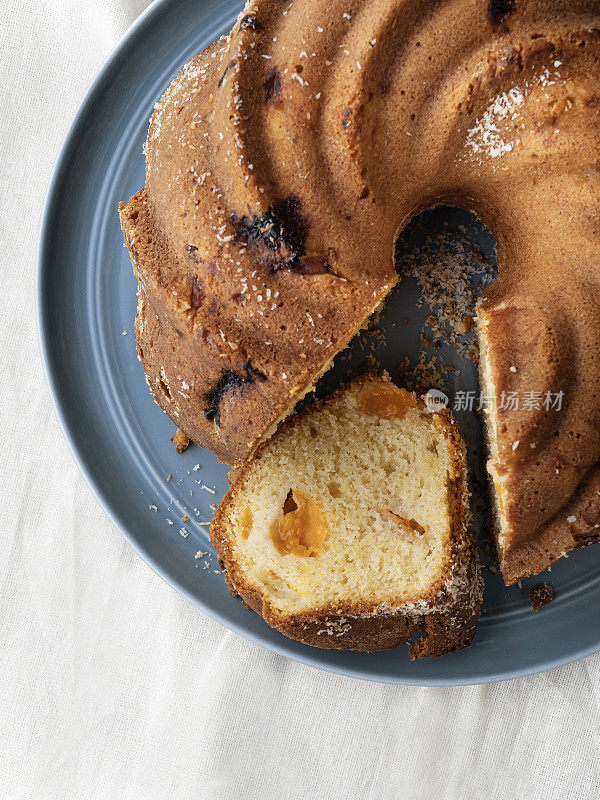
[180,440]
[540,595]
[450,273]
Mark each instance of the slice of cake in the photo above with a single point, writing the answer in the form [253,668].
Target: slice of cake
[350,528]
[545,487]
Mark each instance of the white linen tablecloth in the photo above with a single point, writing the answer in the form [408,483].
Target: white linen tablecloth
[113,686]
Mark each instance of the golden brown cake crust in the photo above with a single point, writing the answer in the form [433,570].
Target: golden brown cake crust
[283,161]
[447,615]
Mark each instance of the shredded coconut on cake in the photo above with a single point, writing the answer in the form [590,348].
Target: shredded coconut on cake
[485,136]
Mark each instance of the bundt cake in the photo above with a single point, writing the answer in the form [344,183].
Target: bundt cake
[281,164]
[350,528]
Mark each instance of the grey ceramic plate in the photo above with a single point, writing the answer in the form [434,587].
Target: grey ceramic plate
[120,438]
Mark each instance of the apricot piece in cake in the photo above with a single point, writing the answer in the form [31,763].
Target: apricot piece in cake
[386,401]
[247,521]
[409,529]
[302,531]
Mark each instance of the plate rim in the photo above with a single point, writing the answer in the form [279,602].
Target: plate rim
[43,325]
